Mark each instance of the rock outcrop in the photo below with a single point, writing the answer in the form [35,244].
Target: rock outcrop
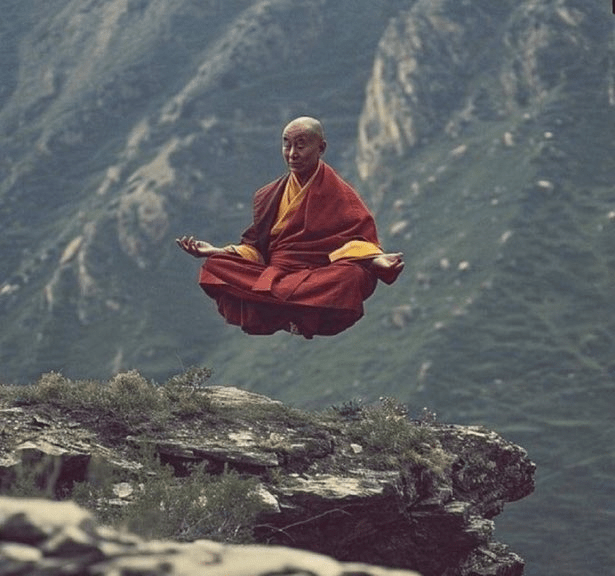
[360,485]
[60,539]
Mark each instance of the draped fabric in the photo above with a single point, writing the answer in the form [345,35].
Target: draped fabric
[312,272]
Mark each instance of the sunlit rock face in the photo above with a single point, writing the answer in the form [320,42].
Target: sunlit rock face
[415,83]
[439,66]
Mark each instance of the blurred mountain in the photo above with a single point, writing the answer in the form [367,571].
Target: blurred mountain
[127,123]
[478,131]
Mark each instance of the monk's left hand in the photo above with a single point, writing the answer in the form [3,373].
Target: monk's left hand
[388,266]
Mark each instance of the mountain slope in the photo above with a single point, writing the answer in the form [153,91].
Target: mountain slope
[504,207]
[131,123]
[480,133]
[512,174]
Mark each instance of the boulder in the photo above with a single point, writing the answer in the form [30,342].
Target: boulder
[60,539]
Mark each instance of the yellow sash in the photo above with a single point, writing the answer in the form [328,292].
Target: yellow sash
[290,201]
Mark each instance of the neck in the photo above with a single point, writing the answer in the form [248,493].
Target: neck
[305,178]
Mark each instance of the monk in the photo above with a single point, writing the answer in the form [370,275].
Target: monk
[311,256]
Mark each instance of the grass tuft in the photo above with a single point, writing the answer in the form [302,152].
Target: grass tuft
[156,504]
[391,440]
[128,399]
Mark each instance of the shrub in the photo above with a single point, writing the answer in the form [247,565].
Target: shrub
[392,440]
[350,409]
[184,392]
[161,506]
[53,388]
[128,398]
[131,398]
[32,479]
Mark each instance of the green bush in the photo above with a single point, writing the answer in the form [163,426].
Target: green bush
[184,392]
[53,388]
[128,398]
[131,398]
[31,479]
[392,440]
[161,506]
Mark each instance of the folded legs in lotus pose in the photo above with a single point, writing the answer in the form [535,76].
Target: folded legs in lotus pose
[311,256]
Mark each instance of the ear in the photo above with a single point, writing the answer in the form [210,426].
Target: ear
[323,147]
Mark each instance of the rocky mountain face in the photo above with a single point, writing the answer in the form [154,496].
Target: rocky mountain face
[469,128]
[480,133]
[323,488]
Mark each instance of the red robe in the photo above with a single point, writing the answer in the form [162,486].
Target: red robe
[297,283]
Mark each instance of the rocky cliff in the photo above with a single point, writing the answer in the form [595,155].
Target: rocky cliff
[39,537]
[480,131]
[357,484]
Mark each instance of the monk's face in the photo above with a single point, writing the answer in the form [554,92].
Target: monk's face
[302,149]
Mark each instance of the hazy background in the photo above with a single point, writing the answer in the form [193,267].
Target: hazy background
[480,134]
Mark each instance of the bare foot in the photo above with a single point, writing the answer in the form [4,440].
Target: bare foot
[388,266]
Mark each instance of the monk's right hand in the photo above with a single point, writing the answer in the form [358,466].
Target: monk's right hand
[197,248]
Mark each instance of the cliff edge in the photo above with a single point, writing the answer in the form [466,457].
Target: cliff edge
[357,483]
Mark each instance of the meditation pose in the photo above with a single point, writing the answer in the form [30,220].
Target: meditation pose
[311,256]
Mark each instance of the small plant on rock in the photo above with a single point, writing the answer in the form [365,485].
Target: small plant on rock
[161,506]
[391,439]
[350,409]
[185,394]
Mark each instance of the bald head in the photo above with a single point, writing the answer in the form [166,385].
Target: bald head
[303,143]
[309,124]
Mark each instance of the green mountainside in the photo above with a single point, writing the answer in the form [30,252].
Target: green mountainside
[133,123]
[480,134]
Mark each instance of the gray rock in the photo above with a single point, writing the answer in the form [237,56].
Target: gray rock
[427,506]
[70,543]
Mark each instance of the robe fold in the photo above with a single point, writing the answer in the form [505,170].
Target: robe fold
[304,261]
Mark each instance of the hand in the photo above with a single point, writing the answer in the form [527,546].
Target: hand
[197,248]
[388,266]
